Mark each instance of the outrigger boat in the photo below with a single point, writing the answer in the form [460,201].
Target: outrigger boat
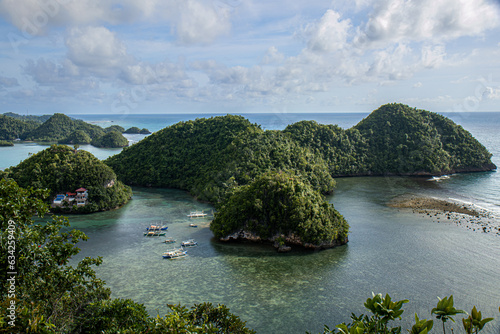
[197,214]
[189,243]
[193,225]
[175,253]
[154,233]
[157,228]
[169,240]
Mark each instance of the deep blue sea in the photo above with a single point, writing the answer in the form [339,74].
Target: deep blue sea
[408,255]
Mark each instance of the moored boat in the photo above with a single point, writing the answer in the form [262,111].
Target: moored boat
[157,228]
[197,214]
[189,243]
[169,240]
[175,253]
[156,233]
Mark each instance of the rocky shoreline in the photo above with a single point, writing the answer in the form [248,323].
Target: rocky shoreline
[441,210]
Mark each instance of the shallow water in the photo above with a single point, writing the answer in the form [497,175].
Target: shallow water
[390,251]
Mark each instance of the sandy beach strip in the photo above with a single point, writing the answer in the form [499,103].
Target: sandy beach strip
[441,210]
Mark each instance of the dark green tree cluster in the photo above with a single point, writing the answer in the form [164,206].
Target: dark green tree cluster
[6,143]
[345,151]
[112,139]
[41,293]
[282,207]
[11,128]
[180,156]
[407,141]
[59,126]
[136,130]
[76,137]
[33,118]
[62,169]
[116,128]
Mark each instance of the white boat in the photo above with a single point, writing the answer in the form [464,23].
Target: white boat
[189,243]
[175,253]
[197,214]
[169,240]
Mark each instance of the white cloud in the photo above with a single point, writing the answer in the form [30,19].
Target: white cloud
[194,21]
[200,22]
[329,34]
[492,93]
[394,21]
[97,50]
[273,56]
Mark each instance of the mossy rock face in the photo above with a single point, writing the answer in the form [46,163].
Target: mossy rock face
[62,169]
[283,209]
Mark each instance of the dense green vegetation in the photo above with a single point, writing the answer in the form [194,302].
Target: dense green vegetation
[48,295]
[111,139]
[76,137]
[281,207]
[384,310]
[33,118]
[403,140]
[212,157]
[62,169]
[136,130]
[180,156]
[60,126]
[395,139]
[11,128]
[6,143]
[116,128]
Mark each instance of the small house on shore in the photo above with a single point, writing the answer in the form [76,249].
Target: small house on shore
[79,197]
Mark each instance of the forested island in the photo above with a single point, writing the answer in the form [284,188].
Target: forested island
[216,158]
[62,129]
[62,171]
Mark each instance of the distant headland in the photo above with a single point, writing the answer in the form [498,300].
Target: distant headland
[62,129]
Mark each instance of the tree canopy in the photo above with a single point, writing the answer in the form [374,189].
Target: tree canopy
[60,126]
[281,206]
[111,139]
[62,169]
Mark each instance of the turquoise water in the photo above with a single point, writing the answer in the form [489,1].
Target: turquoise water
[390,251]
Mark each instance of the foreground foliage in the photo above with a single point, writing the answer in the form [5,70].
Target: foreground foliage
[60,169]
[51,296]
[384,310]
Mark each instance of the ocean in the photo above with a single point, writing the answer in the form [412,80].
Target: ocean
[397,251]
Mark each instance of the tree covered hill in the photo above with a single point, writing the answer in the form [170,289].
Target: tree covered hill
[111,139]
[222,157]
[408,141]
[34,118]
[11,128]
[60,126]
[210,156]
[395,140]
[280,207]
[61,169]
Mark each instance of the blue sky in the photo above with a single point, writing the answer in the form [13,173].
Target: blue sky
[234,56]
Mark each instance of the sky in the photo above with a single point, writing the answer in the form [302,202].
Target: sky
[241,56]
